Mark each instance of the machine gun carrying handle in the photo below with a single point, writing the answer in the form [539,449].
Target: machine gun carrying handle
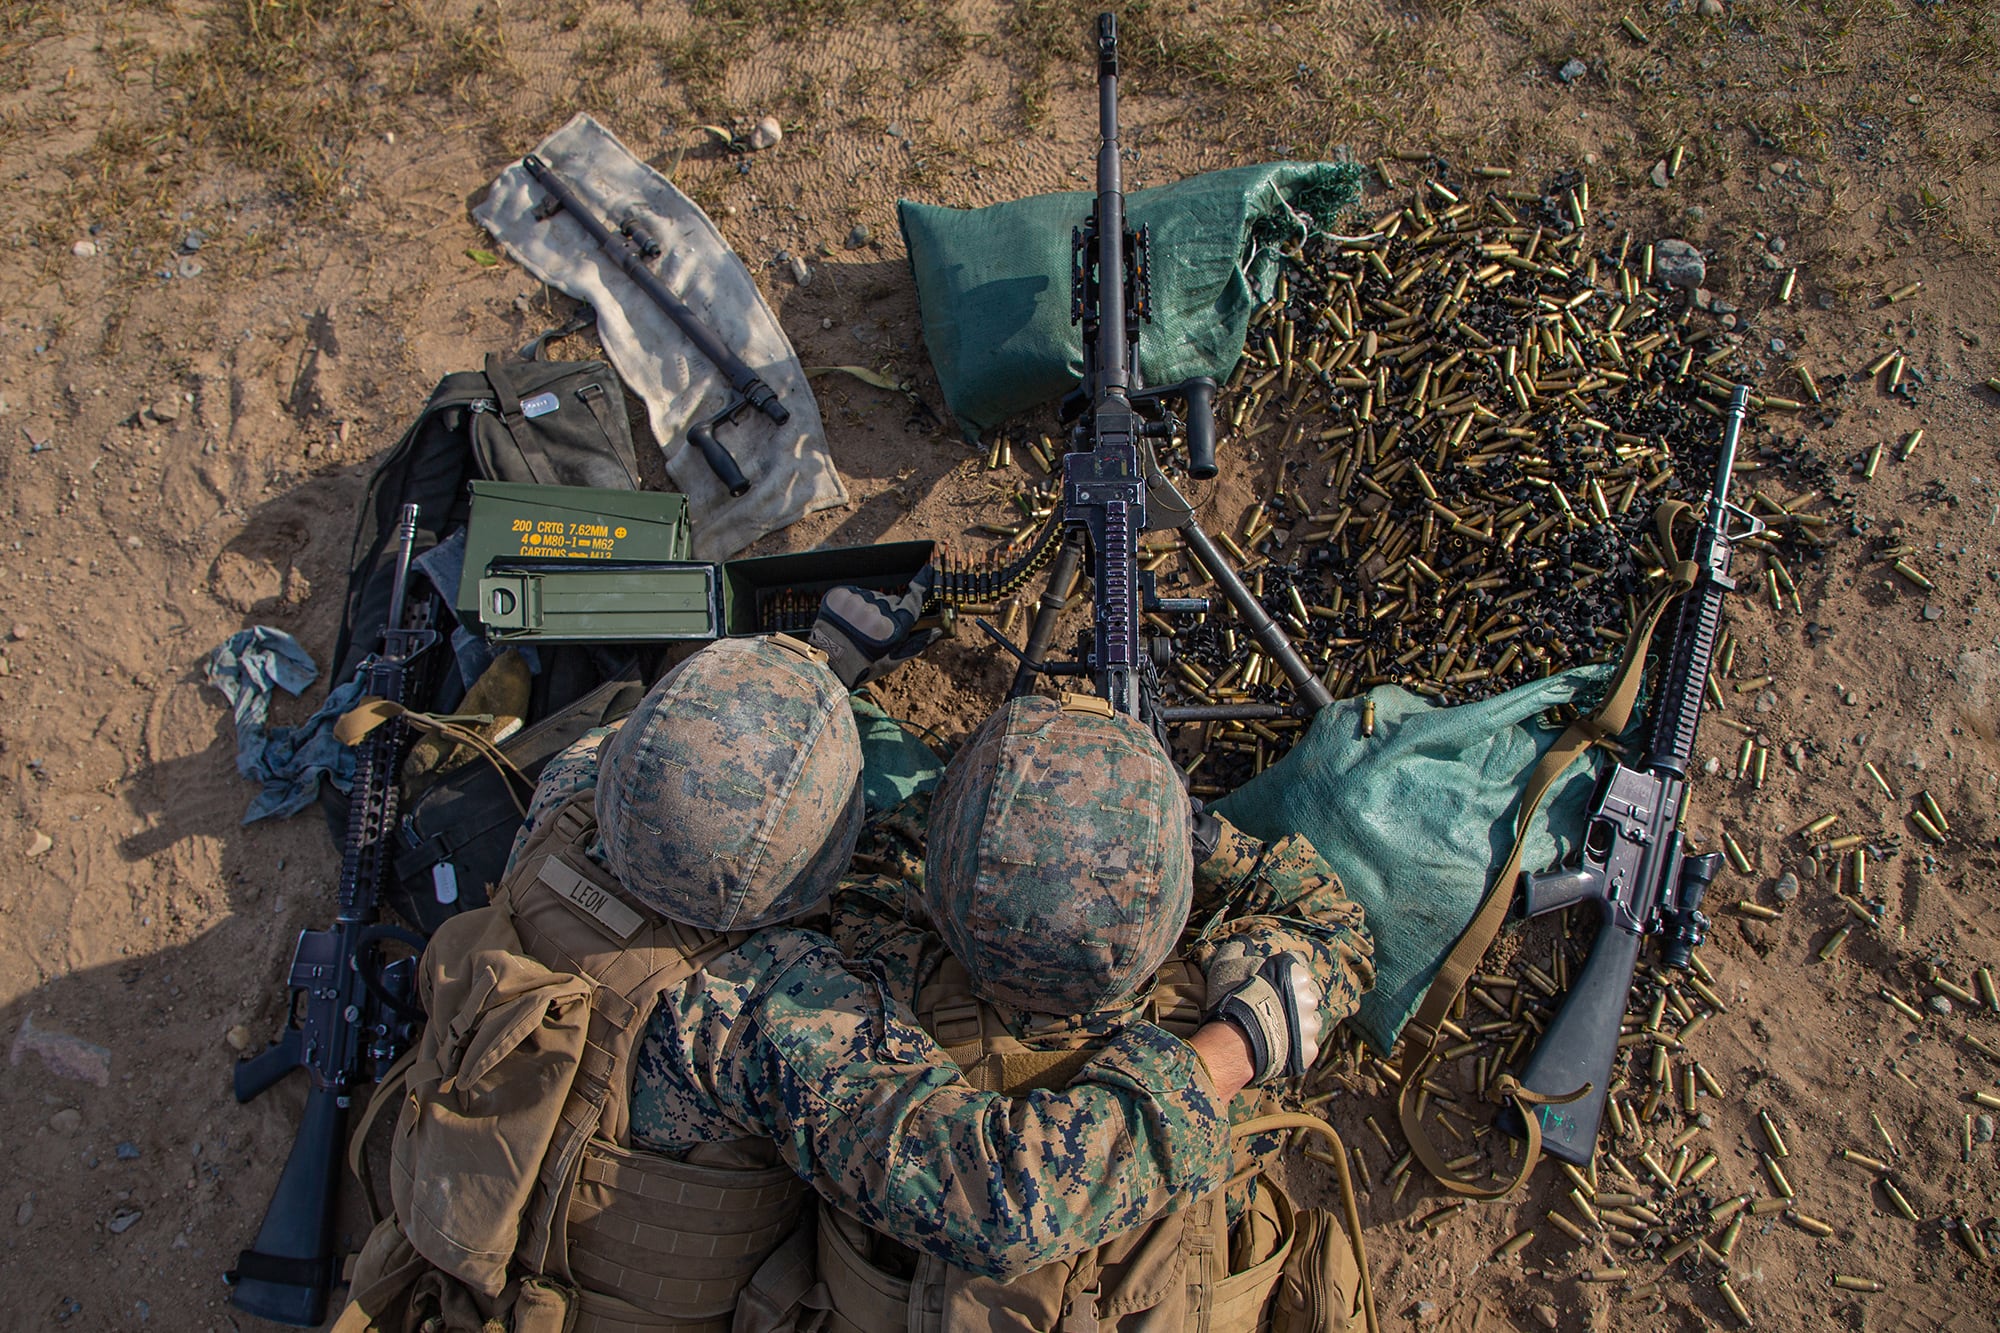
[702,436]
[1200,395]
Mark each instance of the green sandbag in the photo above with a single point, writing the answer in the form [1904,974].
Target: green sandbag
[1416,818]
[895,763]
[993,284]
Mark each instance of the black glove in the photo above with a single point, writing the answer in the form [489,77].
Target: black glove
[866,635]
[1273,999]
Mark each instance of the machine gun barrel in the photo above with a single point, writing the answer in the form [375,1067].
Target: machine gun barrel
[630,247]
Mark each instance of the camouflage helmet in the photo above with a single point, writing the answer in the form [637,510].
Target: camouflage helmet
[1059,868]
[731,797]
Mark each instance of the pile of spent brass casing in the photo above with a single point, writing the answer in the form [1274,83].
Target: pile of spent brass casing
[1470,414]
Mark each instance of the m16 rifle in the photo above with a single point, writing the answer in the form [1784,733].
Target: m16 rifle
[352,1013]
[1113,489]
[1633,863]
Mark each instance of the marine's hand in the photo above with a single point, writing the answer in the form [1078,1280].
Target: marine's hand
[866,634]
[1274,998]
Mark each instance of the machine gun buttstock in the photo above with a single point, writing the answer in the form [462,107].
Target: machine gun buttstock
[260,1071]
[1554,890]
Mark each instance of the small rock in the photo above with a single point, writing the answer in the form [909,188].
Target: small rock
[128,1151]
[1678,264]
[238,1037]
[1776,245]
[801,274]
[826,321]
[1711,766]
[135,543]
[193,241]
[1767,701]
[39,844]
[1850,698]
[1932,611]
[1702,297]
[766,133]
[1660,173]
[1940,1005]
[26,1212]
[1722,307]
[84,249]
[1787,887]
[1982,1129]
[1777,347]
[1546,1315]
[1426,1313]
[63,1055]
[123,1220]
[190,267]
[66,1121]
[19,632]
[859,237]
[1795,754]
[1572,70]
[166,409]
[1710,9]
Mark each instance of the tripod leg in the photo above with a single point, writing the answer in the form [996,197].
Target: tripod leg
[1061,575]
[1269,636]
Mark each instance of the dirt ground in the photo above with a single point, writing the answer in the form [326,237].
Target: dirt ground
[234,247]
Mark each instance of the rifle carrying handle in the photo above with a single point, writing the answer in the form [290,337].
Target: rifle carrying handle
[1200,395]
[720,460]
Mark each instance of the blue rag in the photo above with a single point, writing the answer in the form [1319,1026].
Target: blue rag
[287,761]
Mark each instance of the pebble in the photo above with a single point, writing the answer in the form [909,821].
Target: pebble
[165,409]
[800,273]
[1767,701]
[859,237]
[1795,754]
[1678,264]
[193,241]
[1940,1005]
[1546,1315]
[1660,173]
[190,267]
[1572,70]
[66,1121]
[1850,698]
[1710,9]
[84,249]
[239,1038]
[39,844]
[1787,887]
[123,1220]
[19,632]
[1982,1129]
[1776,245]
[766,133]
[1711,766]
[128,1151]
[1427,1313]
[26,1212]
[1932,611]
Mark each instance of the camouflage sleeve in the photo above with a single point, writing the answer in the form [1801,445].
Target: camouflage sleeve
[870,920]
[873,1114]
[1287,894]
[571,771]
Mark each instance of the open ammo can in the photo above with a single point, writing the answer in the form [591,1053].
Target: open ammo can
[571,564]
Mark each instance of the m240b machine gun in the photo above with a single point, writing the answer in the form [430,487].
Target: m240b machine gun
[1113,489]
[352,1014]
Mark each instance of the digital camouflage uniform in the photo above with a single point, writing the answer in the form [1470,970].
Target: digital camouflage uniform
[782,1038]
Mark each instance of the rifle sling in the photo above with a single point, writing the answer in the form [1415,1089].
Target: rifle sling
[1424,1032]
